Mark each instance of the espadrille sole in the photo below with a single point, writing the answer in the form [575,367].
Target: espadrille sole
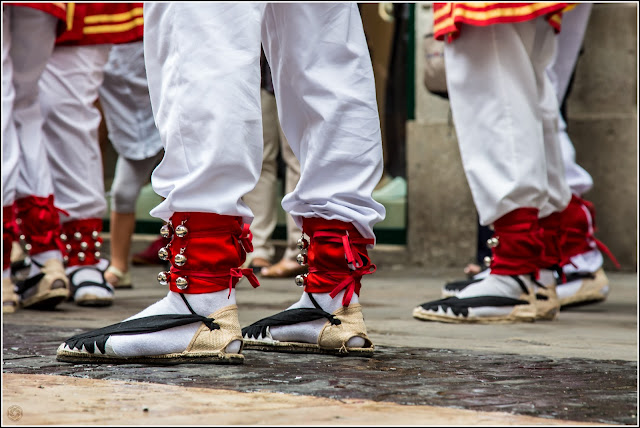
[305,348]
[513,317]
[76,357]
[591,291]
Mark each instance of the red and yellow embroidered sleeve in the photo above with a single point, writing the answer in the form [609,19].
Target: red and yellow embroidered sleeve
[449,17]
[98,23]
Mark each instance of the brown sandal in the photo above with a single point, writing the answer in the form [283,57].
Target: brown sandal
[258,263]
[285,268]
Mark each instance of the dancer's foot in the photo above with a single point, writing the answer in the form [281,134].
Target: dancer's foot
[192,328]
[46,284]
[316,323]
[88,284]
[118,278]
[495,299]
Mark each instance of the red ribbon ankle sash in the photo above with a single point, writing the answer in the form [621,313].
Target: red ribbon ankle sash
[214,246]
[334,268]
[553,237]
[9,234]
[246,239]
[208,282]
[38,220]
[520,243]
[579,230]
[86,228]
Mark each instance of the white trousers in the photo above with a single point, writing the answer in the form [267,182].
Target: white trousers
[569,43]
[124,98]
[506,116]
[68,91]
[28,37]
[203,69]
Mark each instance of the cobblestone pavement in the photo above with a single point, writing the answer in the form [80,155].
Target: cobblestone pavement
[581,368]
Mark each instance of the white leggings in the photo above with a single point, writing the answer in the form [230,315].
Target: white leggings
[203,69]
[129,178]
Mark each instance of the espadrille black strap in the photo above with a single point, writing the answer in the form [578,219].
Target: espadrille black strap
[461,306]
[520,282]
[288,317]
[574,276]
[103,284]
[142,325]
[23,286]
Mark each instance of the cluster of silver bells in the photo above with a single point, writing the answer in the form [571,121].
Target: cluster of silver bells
[491,243]
[163,279]
[84,245]
[179,259]
[302,259]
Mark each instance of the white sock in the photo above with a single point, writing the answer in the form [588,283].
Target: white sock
[496,285]
[482,274]
[589,261]
[175,339]
[6,273]
[90,275]
[41,259]
[309,332]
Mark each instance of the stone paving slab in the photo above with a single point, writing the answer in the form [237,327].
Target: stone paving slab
[568,389]
[581,368]
[89,402]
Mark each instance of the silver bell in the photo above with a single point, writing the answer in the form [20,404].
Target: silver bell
[84,245]
[97,244]
[165,231]
[181,231]
[68,247]
[300,280]
[163,253]
[27,247]
[22,238]
[95,234]
[77,235]
[492,242]
[65,259]
[301,259]
[182,283]
[97,254]
[487,261]
[303,244]
[81,256]
[63,237]
[162,278]
[180,260]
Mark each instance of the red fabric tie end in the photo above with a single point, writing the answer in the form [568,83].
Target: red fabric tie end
[337,257]
[9,234]
[579,223]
